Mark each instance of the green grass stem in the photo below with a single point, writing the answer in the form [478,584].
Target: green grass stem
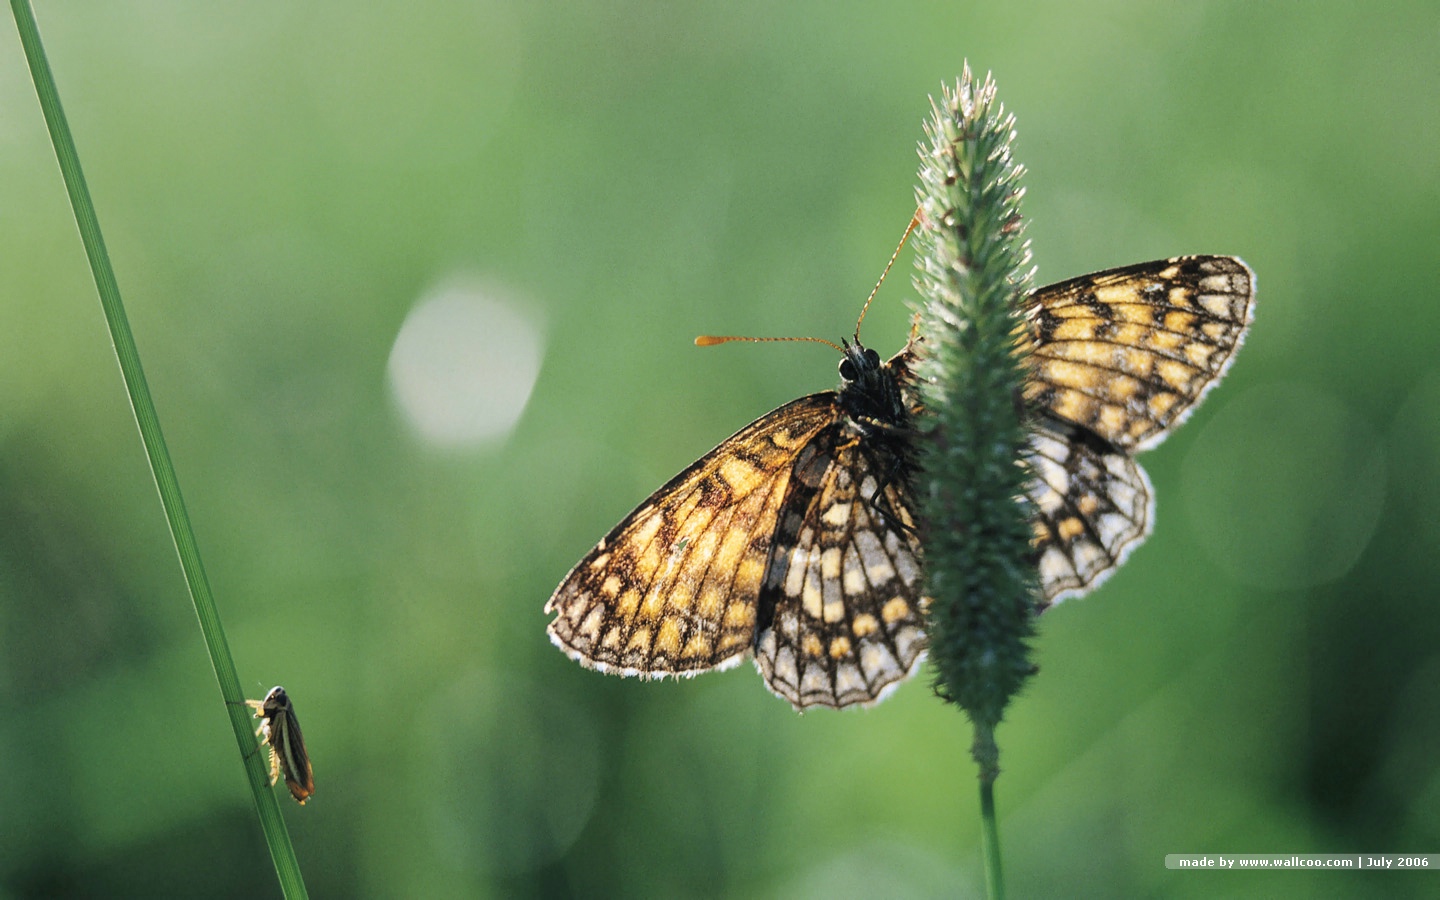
[271,822]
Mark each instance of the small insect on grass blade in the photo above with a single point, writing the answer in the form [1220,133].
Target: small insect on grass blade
[280,731]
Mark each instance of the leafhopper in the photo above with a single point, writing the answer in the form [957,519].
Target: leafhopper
[280,731]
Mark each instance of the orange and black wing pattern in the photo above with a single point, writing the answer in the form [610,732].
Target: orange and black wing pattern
[674,589]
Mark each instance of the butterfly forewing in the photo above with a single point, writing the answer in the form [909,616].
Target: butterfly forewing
[674,588]
[1127,353]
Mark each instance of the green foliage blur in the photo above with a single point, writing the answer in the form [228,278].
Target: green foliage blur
[284,187]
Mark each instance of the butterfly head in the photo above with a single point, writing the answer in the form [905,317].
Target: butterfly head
[870,389]
[859,362]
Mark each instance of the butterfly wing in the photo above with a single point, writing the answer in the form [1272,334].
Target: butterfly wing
[1129,352]
[1091,507]
[674,588]
[840,611]
[1120,358]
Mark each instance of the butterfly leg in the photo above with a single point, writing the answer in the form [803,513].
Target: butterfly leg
[882,506]
[891,475]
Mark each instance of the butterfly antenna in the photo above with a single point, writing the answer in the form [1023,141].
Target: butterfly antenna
[914,220]
[710,340]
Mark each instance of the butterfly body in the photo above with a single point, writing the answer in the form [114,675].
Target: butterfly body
[794,540]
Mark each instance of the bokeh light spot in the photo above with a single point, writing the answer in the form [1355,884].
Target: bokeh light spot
[464,363]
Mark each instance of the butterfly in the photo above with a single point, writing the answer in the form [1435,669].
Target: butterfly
[280,731]
[795,539]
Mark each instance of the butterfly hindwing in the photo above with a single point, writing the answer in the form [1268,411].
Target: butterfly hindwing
[1091,505]
[840,611]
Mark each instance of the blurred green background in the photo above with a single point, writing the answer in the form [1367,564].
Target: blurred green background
[414,285]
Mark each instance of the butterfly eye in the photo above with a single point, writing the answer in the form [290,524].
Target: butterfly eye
[872,357]
[847,370]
